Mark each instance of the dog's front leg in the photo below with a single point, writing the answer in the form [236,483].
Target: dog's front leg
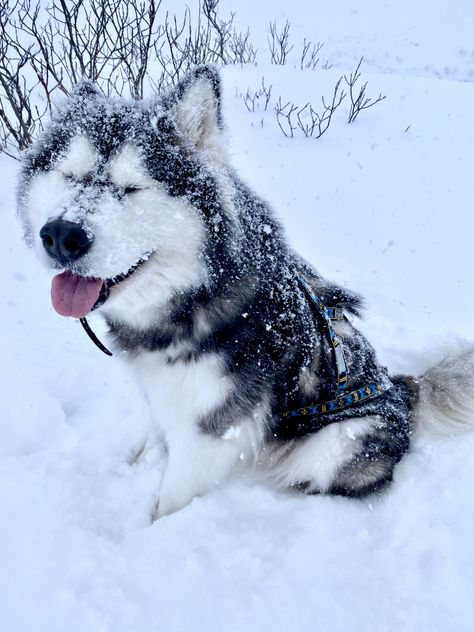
[197,462]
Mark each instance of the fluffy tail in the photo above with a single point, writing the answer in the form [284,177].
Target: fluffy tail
[445,403]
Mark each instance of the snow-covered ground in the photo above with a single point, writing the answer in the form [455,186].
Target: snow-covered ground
[383,206]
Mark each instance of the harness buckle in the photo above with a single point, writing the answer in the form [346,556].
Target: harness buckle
[335,313]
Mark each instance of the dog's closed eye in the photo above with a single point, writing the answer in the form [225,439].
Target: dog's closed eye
[132,189]
[75,179]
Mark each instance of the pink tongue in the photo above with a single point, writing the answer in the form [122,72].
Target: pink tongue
[73,295]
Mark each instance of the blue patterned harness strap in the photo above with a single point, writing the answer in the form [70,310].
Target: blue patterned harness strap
[329,314]
[339,403]
[343,399]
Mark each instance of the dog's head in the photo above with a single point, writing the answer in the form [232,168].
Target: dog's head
[117,195]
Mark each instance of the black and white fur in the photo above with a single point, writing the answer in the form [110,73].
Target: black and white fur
[201,297]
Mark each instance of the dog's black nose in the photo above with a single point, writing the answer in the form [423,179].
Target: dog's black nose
[64,241]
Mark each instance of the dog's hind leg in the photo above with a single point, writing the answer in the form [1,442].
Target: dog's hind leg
[197,462]
[351,458]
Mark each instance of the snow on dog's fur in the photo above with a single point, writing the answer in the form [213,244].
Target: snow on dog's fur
[136,207]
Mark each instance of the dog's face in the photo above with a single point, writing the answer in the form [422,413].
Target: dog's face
[118,195]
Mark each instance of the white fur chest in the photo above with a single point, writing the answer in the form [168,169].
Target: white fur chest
[181,391]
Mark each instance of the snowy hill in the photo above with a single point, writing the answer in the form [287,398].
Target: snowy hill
[383,206]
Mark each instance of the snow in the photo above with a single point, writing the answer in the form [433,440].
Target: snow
[383,206]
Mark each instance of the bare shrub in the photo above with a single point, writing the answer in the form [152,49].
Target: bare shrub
[240,49]
[48,48]
[279,44]
[359,100]
[253,100]
[312,123]
[228,46]
[284,116]
[310,55]
[19,117]
[45,50]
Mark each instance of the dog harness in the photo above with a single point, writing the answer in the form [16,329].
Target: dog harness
[321,412]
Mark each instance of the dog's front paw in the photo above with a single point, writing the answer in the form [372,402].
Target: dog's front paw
[149,451]
[162,509]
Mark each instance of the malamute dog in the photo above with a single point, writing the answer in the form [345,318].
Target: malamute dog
[248,357]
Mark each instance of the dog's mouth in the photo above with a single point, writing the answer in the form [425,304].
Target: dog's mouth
[76,296]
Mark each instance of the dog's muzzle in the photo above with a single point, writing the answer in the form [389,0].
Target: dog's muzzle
[73,294]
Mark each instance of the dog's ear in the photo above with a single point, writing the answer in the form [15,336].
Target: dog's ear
[195,107]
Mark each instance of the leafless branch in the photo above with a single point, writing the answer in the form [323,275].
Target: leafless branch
[310,55]
[324,121]
[263,95]
[311,122]
[359,100]
[279,44]
[284,114]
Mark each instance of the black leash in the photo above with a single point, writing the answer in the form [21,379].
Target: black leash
[93,337]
